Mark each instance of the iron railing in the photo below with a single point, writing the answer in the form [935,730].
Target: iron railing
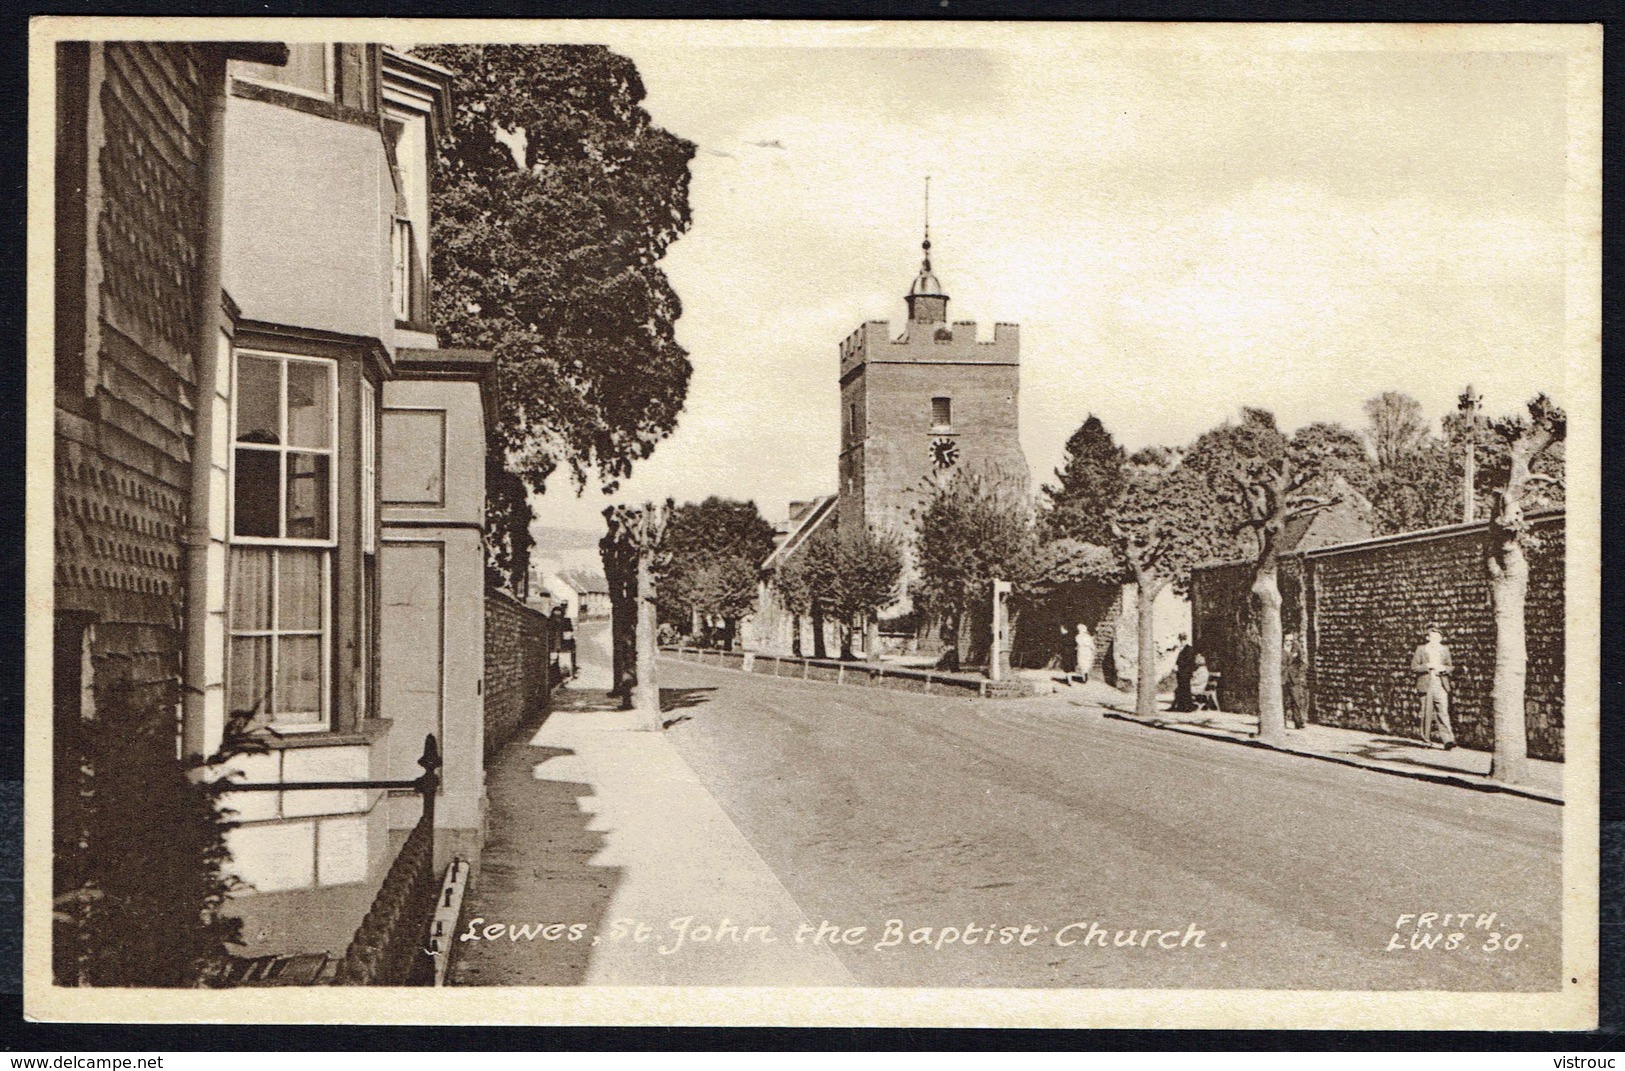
[390,945]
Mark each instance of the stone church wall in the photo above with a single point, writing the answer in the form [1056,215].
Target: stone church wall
[897,455]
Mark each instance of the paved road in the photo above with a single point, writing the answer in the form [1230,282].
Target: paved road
[1034,815]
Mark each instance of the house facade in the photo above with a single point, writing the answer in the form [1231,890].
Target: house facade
[352,603]
[270,478]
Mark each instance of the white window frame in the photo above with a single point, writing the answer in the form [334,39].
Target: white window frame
[401,233]
[369,467]
[324,634]
[284,448]
[326,546]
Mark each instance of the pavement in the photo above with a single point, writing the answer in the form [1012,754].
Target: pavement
[1381,752]
[609,863]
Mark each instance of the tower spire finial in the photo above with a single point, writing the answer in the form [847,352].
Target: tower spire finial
[926,301]
[925,246]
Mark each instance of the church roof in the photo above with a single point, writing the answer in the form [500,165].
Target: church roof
[821,512]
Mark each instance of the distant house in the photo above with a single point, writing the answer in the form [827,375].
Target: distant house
[591,590]
[581,592]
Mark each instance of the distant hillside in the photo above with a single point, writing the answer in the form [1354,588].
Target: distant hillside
[551,542]
[566,548]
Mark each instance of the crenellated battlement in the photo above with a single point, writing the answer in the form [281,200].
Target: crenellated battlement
[930,343]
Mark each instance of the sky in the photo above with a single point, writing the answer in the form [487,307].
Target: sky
[1179,232]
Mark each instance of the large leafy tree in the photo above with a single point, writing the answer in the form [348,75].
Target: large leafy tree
[554,198]
[1264,479]
[1166,521]
[1415,479]
[1086,485]
[1395,427]
[508,541]
[1518,483]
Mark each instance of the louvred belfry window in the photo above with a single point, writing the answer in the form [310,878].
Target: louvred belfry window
[279,606]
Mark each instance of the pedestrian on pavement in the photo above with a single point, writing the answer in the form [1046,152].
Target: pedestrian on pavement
[1294,680]
[1432,665]
[1184,669]
[1086,653]
[564,630]
[1200,677]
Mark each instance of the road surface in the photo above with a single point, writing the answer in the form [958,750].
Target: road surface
[1197,863]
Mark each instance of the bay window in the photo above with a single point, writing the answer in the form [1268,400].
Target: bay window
[279,614]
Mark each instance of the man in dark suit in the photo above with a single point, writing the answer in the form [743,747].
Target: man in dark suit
[1432,665]
[1184,667]
[1294,680]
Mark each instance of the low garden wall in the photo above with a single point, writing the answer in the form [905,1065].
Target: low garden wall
[858,674]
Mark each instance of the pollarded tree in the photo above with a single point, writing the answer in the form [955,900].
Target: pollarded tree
[1526,441]
[1263,480]
[1088,482]
[821,564]
[792,589]
[724,588]
[870,566]
[975,528]
[1166,521]
[554,198]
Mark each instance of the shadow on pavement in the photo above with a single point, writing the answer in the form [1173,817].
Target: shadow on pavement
[536,871]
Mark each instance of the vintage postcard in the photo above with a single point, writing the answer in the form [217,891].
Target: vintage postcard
[813,523]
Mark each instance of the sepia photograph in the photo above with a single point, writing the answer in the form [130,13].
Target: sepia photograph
[798,523]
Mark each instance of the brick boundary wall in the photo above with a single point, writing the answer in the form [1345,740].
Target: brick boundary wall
[517,655]
[1363,608]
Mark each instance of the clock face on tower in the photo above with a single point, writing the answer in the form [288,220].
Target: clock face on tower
[944,453]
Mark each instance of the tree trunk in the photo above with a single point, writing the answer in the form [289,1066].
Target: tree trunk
[820,650]
[1146,591]
[1509,584]
[623,626]
[1271,710]
[846,639]
[646,693]
[795,635]
[871,638]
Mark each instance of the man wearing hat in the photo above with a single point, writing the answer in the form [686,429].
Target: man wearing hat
[1433,667]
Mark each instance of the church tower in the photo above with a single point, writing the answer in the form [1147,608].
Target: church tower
[919,406]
